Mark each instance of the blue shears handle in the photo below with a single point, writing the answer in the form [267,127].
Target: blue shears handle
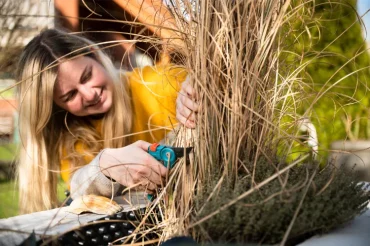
[164,154]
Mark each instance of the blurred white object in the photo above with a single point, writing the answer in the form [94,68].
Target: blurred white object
[142,59]
[305,125]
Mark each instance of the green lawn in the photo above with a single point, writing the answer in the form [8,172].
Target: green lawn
[9,189]
[8,151]
[9,197]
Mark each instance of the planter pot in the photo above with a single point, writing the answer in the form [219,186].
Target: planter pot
[354,233]
[352,155]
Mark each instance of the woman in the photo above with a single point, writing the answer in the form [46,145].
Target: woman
[79,116]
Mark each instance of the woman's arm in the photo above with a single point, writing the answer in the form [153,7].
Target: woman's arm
[130,166]
[90,180]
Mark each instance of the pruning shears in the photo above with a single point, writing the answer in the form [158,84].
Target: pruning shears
[167,155]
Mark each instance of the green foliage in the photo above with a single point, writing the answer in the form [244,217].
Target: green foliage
[9,197]
[333,198]
[327,42]
[347,100]
[8,152]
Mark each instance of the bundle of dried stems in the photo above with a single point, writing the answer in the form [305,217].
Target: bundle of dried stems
[231,50]
[232,59]
[232,54]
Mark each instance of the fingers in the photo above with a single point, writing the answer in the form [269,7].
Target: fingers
[188,103]
[158,172]
[133,165]
[138,174]
[185,121]
[142,144]
[186,112]
[151,163]
[189,90]
[187,96]
[149,160]
[144,185]
[150,187]
[186,106]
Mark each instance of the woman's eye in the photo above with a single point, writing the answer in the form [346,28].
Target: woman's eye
[87,76]
[70,96]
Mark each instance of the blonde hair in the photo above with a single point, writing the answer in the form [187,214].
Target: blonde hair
[46,130]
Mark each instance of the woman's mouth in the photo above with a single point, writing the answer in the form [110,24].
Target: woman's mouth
[98,99]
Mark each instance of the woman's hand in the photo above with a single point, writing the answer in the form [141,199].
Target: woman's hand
[133,166]
[186,106]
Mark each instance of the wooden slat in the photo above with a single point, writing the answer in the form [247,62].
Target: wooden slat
[69,12]
[155,15]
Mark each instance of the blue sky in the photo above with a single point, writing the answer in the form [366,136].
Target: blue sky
[362,7]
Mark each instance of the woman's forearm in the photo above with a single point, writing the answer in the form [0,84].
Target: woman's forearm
[90,180]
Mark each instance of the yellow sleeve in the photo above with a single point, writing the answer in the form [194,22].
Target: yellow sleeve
[154,92]
[82,150]
[66,166]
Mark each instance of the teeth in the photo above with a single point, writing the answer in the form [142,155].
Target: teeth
[97,100]
[99,97]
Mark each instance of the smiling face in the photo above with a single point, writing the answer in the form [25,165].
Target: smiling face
[83,87]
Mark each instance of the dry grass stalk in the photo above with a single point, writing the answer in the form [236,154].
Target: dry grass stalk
[233,59]
[233,62]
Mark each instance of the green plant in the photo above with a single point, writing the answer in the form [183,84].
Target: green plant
[329,40]
[357,124]
[9,197]
[8,152]
[314,200]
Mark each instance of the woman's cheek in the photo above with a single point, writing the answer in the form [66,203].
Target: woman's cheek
[75,108]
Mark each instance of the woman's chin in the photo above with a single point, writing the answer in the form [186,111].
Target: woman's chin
[106,105]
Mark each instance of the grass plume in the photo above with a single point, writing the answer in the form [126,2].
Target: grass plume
[236,187]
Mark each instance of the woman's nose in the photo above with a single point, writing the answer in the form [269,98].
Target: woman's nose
[89,94]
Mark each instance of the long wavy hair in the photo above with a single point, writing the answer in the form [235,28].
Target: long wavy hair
[46,130]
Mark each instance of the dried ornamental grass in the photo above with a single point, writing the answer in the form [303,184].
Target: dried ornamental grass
[232,61]
[234,189]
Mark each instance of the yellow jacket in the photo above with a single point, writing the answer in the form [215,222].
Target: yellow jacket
[153,93]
